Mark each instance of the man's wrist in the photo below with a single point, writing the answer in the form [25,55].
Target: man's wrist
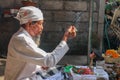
[65,38]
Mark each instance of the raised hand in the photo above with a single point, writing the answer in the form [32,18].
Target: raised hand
[70,33]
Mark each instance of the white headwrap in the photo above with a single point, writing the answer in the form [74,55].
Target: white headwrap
[29,13]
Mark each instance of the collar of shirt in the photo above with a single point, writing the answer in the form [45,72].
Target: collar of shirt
[22,29]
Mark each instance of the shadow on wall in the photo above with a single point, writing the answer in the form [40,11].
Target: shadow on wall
[8,26]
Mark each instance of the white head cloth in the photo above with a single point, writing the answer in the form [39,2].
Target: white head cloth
[29,13]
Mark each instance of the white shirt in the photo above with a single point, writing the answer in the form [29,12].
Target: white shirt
[24,57]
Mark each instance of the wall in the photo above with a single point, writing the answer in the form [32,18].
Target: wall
[59,14]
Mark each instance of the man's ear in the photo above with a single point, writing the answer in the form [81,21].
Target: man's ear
[27,24]
[30,22]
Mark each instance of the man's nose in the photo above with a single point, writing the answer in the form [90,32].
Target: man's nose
[42,27]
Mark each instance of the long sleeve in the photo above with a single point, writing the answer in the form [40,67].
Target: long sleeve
[26,50]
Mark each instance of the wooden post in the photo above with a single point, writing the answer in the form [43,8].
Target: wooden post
[90,30]
[101,22]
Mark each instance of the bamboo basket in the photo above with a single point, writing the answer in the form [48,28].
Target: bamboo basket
[111,60]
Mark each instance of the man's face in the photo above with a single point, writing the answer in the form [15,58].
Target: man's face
[36,28]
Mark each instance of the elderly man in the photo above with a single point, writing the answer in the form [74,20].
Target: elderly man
[24,57]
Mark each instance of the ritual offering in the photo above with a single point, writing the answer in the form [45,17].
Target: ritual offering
[112,56]
[82,71]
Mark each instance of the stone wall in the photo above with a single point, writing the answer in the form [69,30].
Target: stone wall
[59,14]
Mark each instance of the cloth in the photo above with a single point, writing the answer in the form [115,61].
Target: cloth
[54,72]
[24,58]
[100,73]
[29,13]
[49,72]
[57,76]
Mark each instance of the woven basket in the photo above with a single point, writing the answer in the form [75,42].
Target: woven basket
[111,60]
